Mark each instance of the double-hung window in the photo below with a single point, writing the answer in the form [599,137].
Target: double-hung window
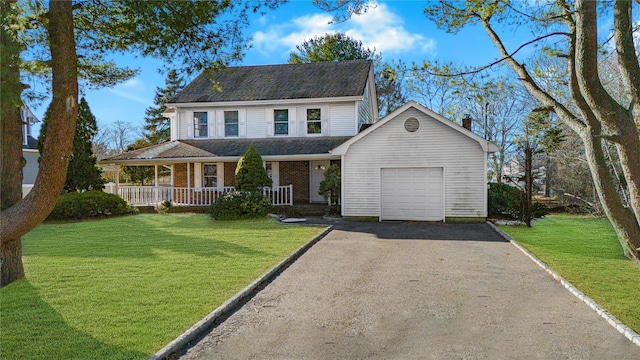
[231,123]
[210,175]
[314,123]
[200,124]
[281,122]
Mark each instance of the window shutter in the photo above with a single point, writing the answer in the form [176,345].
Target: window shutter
[220,123]
[190,126]
[270,121]
[292,121]
[211,124]
[242,123]
[302,124]
[324,116]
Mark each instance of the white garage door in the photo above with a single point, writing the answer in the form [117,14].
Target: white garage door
[412,194]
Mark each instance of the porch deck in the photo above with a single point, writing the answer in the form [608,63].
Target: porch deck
[201,196]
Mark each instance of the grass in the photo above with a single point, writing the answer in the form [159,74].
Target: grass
[123,288]
[586,252]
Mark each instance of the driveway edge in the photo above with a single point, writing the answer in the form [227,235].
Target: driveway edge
[202,325]
[612,320]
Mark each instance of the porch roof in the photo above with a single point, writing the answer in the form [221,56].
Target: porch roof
[209,149]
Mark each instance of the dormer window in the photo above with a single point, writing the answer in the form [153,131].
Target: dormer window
[281,122]
[230,123]
[200,124]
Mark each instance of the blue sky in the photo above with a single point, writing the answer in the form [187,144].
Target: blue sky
[397,29]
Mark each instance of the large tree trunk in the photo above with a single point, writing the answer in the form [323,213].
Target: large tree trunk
[622,218]
[23,216]
[588,94]
[11,160]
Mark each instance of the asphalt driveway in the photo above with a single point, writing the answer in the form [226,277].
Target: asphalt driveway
[414,291]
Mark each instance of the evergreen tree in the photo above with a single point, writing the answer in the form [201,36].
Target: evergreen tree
[158,126]
[250,173]
[82,173]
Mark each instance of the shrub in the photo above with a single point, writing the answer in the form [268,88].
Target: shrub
[250,173]
[87,204]
[508,201]
[235,205]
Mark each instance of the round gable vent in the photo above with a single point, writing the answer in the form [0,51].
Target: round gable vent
[411,124]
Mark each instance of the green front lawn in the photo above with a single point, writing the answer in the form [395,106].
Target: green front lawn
[123,288]
[586,252]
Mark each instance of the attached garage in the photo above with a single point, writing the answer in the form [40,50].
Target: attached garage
[415,165]
[412,194]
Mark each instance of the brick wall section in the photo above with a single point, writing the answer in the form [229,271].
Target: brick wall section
[180,175]
[229,173]
[297,174]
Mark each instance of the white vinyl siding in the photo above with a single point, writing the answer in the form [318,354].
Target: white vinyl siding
[434,145]
[365,111]
[256,123]
[341,120]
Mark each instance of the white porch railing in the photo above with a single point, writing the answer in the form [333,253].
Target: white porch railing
[202,196]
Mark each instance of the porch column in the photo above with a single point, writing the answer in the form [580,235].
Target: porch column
[188,183]
[155,183]
[117,180]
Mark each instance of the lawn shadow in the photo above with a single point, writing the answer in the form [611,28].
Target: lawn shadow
[143,242]
[32,329]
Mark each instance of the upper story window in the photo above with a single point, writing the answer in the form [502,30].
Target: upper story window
[314,123]
[210,175]
[231,123]
[281,123]
[200,124]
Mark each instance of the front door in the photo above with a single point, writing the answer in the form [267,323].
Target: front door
[317,169]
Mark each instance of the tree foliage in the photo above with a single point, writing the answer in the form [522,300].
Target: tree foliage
[568,33]
[82,173]
[64,42]
[157,126]
[250,172]
[340,47]
[330,186]
[142,175]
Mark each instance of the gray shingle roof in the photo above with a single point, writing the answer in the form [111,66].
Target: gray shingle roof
[279,82]
[232,148]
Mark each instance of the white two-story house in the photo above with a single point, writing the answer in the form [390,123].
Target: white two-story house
[292,114]
[411,165]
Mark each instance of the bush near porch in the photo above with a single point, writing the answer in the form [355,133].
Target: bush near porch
[122,288]
[586,252]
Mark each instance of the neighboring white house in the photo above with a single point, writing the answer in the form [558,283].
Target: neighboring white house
[415,165]
[412,165]
[29,150]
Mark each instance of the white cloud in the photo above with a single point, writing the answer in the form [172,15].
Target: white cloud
[134,83]
[378,28]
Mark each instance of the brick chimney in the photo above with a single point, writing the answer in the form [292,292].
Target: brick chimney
[466,122]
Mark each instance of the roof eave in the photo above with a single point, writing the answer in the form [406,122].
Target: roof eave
[267,102]
[180,160]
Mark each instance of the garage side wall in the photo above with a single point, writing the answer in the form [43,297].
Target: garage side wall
[432,145]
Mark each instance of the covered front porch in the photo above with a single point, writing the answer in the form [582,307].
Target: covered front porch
[196,173]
